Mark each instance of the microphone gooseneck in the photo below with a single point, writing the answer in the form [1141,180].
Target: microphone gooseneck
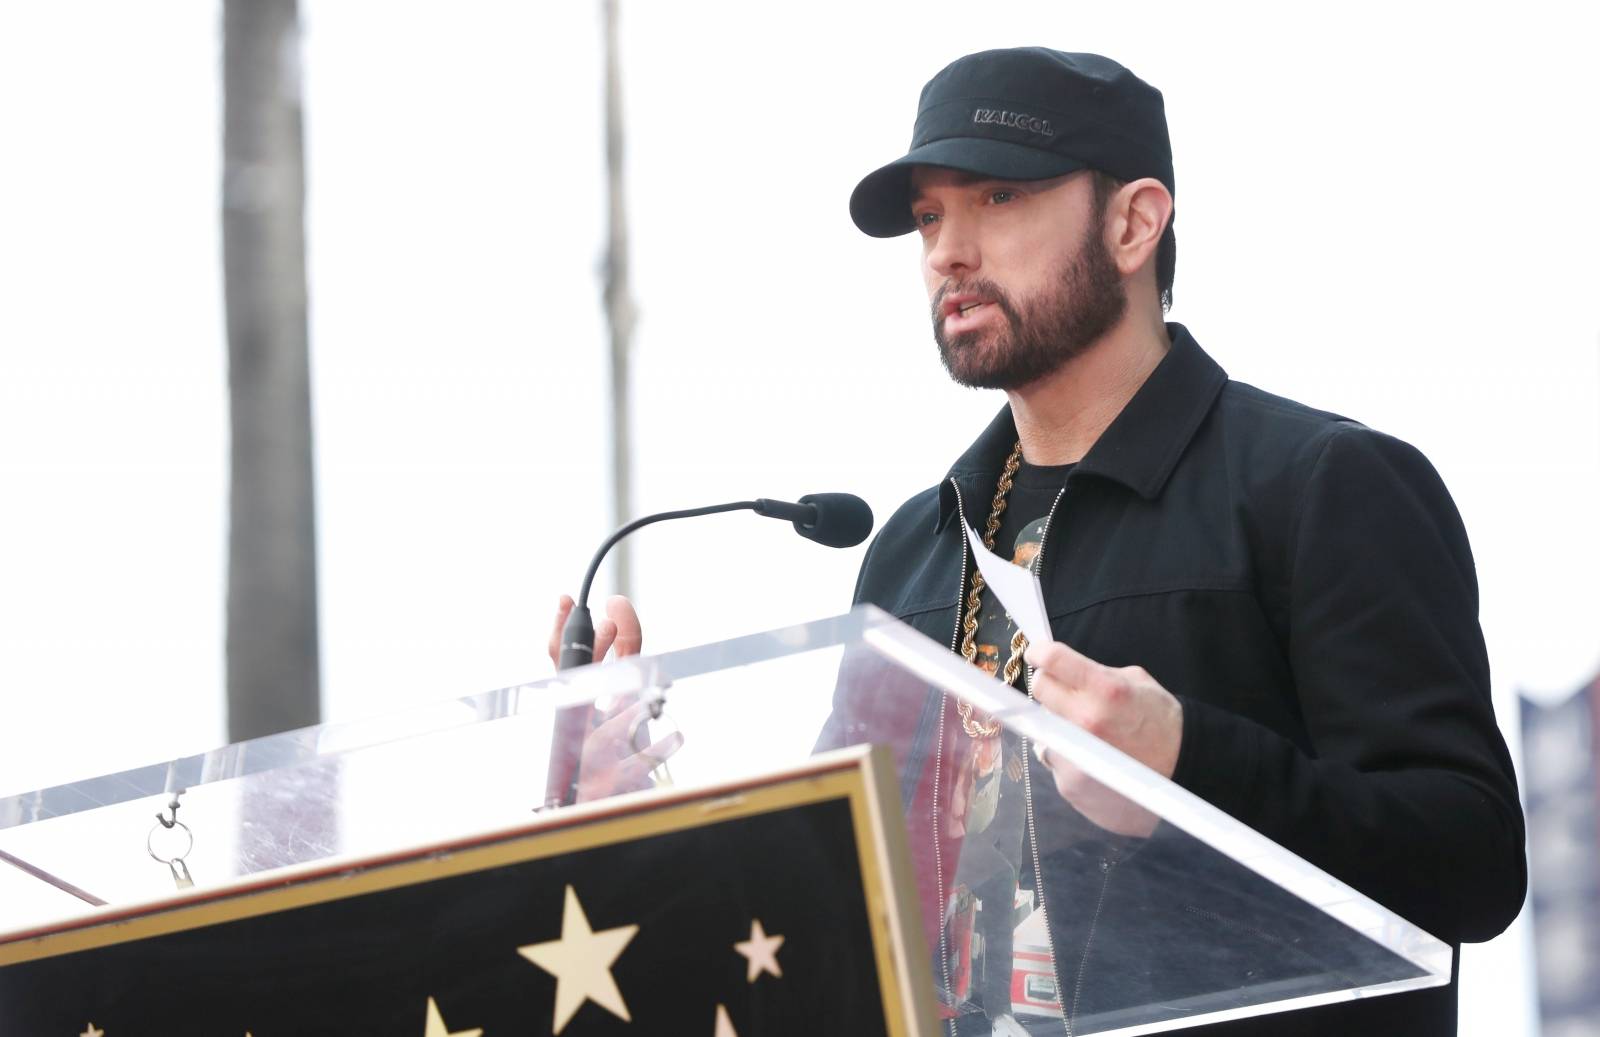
[577,635]
[610,541]
[832,519]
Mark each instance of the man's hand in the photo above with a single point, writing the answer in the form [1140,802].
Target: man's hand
[1123,706]
[618,755]
[618,629]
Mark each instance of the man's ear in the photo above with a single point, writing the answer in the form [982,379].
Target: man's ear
[1136,217]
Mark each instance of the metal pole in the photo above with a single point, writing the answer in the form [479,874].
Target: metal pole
[620,312]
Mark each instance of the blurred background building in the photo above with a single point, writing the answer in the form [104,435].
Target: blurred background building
[1387,211]
[1561,790]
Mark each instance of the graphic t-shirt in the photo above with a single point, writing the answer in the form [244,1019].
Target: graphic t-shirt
[988,802]
[1022,529]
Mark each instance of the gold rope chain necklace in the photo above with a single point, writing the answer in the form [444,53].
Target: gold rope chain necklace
[969,625]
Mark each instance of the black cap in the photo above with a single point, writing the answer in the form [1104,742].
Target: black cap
[1023,114]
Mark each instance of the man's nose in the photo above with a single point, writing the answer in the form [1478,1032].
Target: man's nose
[955,251]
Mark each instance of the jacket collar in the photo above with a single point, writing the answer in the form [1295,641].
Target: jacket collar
[1141,446]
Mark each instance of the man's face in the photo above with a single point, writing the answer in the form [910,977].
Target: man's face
[1018,273]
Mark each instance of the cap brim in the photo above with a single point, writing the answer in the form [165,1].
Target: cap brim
[881,203]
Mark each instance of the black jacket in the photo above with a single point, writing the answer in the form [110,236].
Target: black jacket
[1304,585]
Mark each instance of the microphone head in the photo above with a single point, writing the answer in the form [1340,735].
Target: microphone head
[843,519]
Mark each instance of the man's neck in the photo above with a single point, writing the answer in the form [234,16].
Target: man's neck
[1060,416]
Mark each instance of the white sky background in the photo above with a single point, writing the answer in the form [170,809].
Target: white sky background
[1383,210]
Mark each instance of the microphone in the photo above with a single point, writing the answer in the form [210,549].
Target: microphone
[830,519]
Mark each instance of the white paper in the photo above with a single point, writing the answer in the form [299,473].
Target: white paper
[1017,588]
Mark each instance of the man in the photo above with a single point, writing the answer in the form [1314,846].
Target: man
[1273,606]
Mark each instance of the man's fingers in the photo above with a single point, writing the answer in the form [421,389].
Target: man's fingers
[634,772]
[1064,663]
[605,632]
[638,767]
[621,722]
[563,610]
[1110,810]
[629,638]
[1072,784]
[1052,692]
[1071,684]
[1094,704]
[618,630]
[661,750]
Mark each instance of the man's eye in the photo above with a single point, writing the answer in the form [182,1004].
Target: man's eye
[925,219]
[1002,197]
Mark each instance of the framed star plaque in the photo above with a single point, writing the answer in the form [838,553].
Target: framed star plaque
[771,907]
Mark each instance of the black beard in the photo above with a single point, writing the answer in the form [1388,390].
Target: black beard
[1089,300]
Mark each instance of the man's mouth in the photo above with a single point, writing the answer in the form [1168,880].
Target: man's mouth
[962,307]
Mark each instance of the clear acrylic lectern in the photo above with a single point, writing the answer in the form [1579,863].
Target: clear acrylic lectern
[1122,905]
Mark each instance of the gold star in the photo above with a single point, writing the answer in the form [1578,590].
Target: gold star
[761,951]
[581,963]
[92,1032]
[436,1028]
[724,1024]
